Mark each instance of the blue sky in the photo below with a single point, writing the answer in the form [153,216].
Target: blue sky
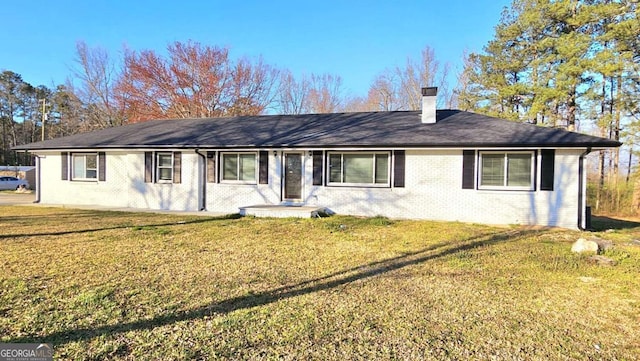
[353,39]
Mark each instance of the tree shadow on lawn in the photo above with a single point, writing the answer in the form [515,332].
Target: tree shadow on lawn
[306,287]
[79,213]
[200,219]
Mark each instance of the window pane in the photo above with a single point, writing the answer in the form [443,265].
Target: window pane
[92,166]
[91,161]
[78,166]
[492,170]
[164,160]
[164,173]
[230,167]
[519,170]
[382,168]
[247,167]
[335,168]
[358,168]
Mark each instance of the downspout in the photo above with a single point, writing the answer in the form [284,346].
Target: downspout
[38,176]
[203,206]
[582,207]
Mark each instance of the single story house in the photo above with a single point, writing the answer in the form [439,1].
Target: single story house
[440,165]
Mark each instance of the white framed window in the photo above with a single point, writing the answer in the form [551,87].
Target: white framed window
[371,169]
[164,167]
[239,167]
[84,166]
[507,170]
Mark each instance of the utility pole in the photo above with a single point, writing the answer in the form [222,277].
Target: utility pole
[44,115]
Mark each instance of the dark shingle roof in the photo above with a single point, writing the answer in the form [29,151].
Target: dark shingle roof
[453,128]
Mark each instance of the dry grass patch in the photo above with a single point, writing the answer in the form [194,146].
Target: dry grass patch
[128,286]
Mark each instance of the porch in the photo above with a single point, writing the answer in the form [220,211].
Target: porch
[282,211]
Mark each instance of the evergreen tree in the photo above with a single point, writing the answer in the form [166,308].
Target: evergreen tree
[544,56]
[567,63]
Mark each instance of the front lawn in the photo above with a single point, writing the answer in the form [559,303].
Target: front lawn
[112,285]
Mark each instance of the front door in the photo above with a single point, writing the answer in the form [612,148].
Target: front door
[293,176]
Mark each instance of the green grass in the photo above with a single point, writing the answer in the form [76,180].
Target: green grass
[111,285]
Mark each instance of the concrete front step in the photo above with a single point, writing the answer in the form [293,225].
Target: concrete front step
[282,211]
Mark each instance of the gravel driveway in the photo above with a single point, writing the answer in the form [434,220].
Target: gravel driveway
[8,198]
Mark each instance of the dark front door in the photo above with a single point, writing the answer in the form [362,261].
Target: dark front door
[292,176]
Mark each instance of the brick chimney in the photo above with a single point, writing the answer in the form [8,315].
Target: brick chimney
[429,96]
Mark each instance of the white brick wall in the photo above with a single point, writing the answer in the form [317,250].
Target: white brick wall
[124,185]
[183,196]
[229,197]
[433,190]
[54,190]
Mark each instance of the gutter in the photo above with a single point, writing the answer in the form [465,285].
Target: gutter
[296,146]
[582,208]
[203,207]
[38,177]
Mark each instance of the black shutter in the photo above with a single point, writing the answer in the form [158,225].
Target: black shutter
[398,168]
[148,167]
[64,156]
[211,167]
[102,166]
[317,167]
[546,169]
[468,169]
[264,167]
[219,163]
[177,167]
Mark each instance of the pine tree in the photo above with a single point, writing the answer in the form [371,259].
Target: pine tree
[540,62]
[561,63]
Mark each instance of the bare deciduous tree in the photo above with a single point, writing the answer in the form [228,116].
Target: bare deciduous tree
[384,94]
[97,76]
[325,95]
[400,88]
[194,81]
[311,94]
[292,94]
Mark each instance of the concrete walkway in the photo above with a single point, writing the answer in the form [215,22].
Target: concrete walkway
[13,198]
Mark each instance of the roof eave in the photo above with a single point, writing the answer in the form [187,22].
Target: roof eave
[593,146]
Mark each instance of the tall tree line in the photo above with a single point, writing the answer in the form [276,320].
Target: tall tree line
[193,80]
[566,63]
[31,113]
[558,63]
